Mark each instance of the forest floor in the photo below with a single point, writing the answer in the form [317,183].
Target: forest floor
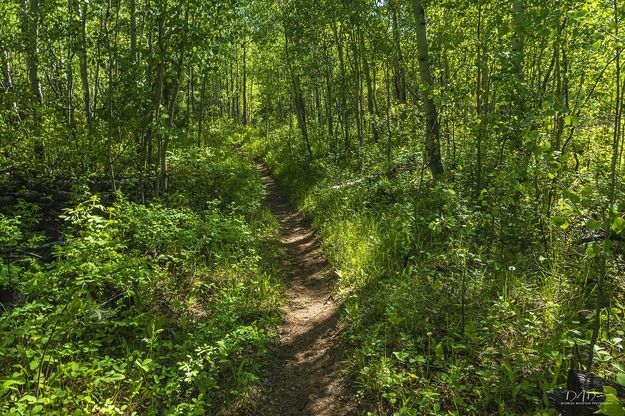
[305,373]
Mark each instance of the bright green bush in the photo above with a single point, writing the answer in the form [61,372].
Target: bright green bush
[147,309]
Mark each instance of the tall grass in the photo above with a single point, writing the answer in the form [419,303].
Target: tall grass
[446,311]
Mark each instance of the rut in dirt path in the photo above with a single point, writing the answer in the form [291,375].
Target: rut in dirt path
[305,375]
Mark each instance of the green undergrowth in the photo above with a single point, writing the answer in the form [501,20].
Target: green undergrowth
[156,309]
[448,310]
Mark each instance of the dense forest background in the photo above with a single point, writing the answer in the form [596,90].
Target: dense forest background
[461,162]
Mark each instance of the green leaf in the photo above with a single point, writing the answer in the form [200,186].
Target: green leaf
[618,225]
[571,196]
[587,192]
[593,224]
[145,365]
[621,379]
[611,406]
[440,353]
[591,251]
[112,377]
[400,355]
[10,384]
[29,398]
[571,120]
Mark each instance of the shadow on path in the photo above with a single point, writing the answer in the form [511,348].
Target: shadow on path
[304,375]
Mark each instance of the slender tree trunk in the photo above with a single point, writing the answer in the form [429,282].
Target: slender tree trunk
[109,99]
[245,82]
[30,32]
[231,97]
[251,101]
[237,90]
[189,103]
[343,111]
[316,90]
[133,31]
[82,57]
[357,96]
[617,113]
[70,86]
[329,95]
[432,126]
[171,108]
[158,90]
[398,68]
[479,94]
[516,66]
[371,107]
[96,76]
[200,131]
[389,132]
[298,99]
[7,79]
[317,101]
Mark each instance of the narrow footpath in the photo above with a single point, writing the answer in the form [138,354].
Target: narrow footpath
[305,374]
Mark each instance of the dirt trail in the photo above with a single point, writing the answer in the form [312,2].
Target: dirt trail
[305,373]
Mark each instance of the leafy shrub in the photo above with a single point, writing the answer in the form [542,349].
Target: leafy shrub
[451,303]
[147,309]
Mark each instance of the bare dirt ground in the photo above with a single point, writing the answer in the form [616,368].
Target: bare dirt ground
[305,373]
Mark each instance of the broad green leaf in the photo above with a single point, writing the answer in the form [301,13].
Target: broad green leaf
[571,196]
[618,225]
[571,120]
[611,406]
[593,224]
